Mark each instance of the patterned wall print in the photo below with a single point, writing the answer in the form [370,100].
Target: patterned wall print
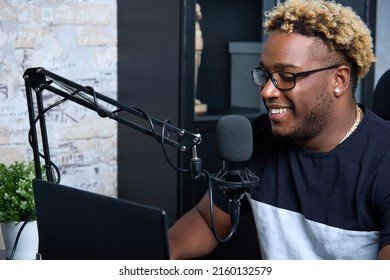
[76,39]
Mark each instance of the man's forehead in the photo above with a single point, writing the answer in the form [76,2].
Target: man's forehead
[283,50]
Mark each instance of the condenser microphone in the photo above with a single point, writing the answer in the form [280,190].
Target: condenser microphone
[234,148]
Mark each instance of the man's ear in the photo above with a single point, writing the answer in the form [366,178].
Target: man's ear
[341,79]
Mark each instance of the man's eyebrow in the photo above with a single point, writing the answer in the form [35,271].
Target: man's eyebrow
[280,66]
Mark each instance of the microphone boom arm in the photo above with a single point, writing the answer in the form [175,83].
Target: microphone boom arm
[40,79]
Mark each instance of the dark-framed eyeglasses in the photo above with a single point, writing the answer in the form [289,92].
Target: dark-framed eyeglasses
[280,79]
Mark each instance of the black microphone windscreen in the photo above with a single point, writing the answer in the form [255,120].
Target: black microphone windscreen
[234,138]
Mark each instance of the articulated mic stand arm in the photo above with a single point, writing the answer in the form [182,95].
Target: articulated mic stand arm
[39,79]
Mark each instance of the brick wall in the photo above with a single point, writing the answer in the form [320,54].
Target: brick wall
[76,39]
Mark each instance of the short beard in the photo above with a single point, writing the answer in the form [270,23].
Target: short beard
[316,120]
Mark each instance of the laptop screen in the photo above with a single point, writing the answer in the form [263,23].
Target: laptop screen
[74,224]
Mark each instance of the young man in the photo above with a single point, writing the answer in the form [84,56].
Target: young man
[323,160]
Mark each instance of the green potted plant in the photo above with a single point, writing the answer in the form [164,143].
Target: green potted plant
[16,194]
[17,209]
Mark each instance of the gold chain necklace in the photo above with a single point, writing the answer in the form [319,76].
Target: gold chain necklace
[355,124]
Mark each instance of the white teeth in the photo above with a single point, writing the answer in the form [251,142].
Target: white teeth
[279,111]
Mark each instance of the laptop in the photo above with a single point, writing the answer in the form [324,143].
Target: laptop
[74,224]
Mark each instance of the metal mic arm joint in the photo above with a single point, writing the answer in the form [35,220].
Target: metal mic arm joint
[196,165]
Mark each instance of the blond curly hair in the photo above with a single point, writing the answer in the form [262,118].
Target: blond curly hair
[338,26]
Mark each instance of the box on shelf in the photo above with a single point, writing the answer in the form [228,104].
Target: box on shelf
[244,57]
